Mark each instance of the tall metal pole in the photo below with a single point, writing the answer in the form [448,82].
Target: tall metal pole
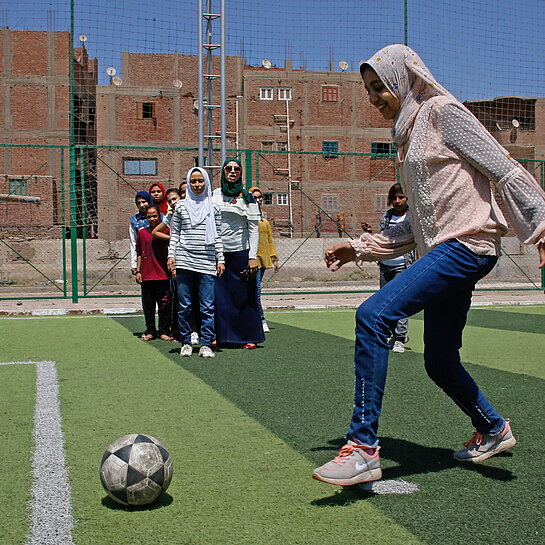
[72,157]
[206,127]
[209,93]
[200,90]
[223,92]
[406,23]
[288,148]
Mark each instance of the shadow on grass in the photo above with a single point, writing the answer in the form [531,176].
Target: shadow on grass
[346,496]
[411,459]
[217,350]
[415,459]
[164,500]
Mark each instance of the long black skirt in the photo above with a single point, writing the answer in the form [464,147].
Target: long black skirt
[237,313]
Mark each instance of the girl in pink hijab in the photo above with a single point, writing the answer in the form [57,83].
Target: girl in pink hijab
[450,166]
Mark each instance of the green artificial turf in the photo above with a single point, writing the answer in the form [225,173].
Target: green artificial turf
[300,386]
[235,482]
[17,387]
[246,429]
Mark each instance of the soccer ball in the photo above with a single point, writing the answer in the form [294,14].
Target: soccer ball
[136,469]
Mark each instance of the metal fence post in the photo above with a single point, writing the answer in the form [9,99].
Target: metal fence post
[543,186]
[248,161]
[63,225]
[72,158]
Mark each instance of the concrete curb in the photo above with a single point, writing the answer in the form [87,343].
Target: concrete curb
[318,301]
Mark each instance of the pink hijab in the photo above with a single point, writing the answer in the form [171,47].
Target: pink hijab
[409,80]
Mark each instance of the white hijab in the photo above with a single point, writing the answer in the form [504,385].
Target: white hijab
[200,207]
[409,80]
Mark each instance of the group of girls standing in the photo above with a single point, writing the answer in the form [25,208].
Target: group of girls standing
[213,256]
[148,258]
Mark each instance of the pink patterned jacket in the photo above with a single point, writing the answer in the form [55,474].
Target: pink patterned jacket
[451,168]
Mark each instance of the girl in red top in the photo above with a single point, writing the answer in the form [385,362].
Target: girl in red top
[153,276]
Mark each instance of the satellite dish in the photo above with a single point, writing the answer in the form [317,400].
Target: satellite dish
[196,104]
[177,83]
[515,123]
[343,65]
[116,80]
[266,63]
[111,71]
[83,38]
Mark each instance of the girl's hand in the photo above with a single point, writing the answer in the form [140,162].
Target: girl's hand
[366,228]
[276,265]
[253,265]
[541,250]
[138,277]
[336,256]
[220,268]
[171,265]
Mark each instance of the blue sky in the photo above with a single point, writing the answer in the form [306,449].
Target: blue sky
[476,48]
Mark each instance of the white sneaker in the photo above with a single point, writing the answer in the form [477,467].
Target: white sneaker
[206,352]
[186,350]
[265,327]
[398,347]
[194,338]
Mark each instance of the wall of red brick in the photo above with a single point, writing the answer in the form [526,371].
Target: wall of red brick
[29,107]
[35,69]
[38,112]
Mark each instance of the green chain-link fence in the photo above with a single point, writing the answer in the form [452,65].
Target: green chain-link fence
[65,215]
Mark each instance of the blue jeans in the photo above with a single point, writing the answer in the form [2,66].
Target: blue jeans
[190,282]
[258,281]
[440,283]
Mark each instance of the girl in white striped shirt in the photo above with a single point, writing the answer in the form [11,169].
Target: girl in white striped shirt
[196,254]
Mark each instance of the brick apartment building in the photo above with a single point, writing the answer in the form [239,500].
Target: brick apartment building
[145,123]
[35,91]
[328,113]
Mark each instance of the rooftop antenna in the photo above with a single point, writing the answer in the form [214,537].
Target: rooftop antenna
[111,71]
[343,65]
[117,81]
[82,40]
[266,63]
[516,124]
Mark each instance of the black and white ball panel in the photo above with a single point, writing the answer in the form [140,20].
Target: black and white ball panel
[136,469]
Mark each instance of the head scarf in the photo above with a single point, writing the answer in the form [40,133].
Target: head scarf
[139,220]
[236,189]
[143,195]
[162,205]
[200,207]
[409,80]
[251,190]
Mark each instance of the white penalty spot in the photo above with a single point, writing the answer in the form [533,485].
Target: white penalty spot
[389,487]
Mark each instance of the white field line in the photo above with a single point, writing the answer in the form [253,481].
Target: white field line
[388,486]
[50,506]
[51,513]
